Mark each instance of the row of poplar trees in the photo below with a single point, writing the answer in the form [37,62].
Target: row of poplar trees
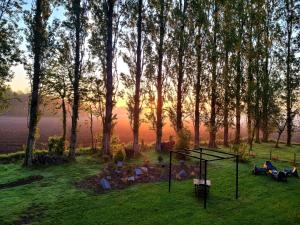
[208,61]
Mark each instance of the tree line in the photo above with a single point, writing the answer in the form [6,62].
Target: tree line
[208,62]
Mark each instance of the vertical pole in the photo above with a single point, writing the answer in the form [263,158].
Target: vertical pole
[205,186]
[170,171]
[294,158]
[270,154]
[237,178]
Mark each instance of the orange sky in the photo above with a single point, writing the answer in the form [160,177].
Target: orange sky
[20,81]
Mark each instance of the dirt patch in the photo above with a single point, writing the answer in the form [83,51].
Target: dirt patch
[114,177]
[22,181]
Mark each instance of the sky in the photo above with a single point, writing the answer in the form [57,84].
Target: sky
[20,81]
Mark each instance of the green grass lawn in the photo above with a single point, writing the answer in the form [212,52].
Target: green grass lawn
[55,200]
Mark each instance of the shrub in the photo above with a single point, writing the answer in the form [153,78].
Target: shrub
[183,139]
[44,159]
[129,151]
[16,156]
[242,150]
[84,151]
[167,146]
[117,149]
[160,159]
[182,142]
[120,155]
[56,145]
[11,157]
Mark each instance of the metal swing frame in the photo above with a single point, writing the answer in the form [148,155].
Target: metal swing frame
[203,154]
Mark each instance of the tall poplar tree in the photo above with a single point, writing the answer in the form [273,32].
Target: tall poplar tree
[38,42]
[160,52]
[180,11]
[240,19]
[290,16]
[76,23]
[199,10]
[213,86]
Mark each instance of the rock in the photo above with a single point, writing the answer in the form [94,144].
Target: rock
[138,171]
[105,184]
[131,178]
[117,171]
[144,169]
[120,164]
[182,174]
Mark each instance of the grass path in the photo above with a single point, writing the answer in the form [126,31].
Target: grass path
[55,200]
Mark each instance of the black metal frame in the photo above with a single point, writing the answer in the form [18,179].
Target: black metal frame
[212,153]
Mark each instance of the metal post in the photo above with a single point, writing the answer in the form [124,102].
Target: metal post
[294,158]
[170,171]
[237,178]
[205,187]
[270,154]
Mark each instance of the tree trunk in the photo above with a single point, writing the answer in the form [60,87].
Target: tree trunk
[197,95]
[288,80]
[257,98]
[249,97]
[159,122]
[136,116]
[92,129]
[226,101]
[179,123]
[266,81]
[77,75]
[265,103]
[277,141]
[34,103]
[238,100]
[257,118]
[213,128]
[64,114]
[107,128]
[279,135]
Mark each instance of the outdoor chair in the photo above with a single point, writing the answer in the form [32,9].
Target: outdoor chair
[199,185]
[279,175]
[291,172]
[270,166]
[259,171]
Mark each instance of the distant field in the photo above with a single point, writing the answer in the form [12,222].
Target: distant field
[13,132]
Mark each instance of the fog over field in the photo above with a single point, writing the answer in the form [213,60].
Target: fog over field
[13,131]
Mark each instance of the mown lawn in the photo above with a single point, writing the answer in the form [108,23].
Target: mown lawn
[55,199]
